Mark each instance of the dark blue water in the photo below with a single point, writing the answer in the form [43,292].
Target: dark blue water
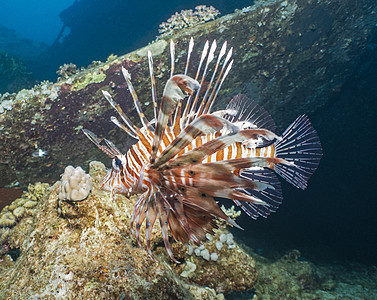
[91,29]
[35,20]
[335,218]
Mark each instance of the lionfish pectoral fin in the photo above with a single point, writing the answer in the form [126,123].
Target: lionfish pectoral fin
[138,205]
[301,148]
[203,125]
[201,223]
[163,215]
[178,231]
[139,221]
[240,196]
[110,149]
[232,165]
[257,192]
[196,198]
[176,89]
[149,223]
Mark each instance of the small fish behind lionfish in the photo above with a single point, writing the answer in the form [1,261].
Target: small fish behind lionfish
[193,156]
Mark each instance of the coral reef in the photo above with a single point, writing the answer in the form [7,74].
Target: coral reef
[5,104]
[288,278]
[67,70]
[294,277]
[76,185]
[11,214]
[89,252]
[188,18]
[214,266]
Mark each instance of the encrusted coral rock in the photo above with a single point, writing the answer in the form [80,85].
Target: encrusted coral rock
[67,70]
[19,212]
[288,278]
[76,185]
[7,219]
[89,255]
[220,267]
[189,18]
[188,270]
[12,214]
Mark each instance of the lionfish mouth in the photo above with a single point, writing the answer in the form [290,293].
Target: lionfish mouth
[191,156]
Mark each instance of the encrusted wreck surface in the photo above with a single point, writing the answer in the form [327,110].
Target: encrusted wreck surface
[289,55]
[85,250]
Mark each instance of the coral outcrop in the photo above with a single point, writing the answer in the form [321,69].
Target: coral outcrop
[75,184]
[89,252]
[293,277]
[212,266]
[188,18]
[12,213]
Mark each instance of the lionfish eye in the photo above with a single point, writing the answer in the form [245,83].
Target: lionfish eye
[118,162]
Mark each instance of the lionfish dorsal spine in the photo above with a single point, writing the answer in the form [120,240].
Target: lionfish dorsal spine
[186,111]
[212,100]
[172,58]
[204,103]
[123,127]
[176,89]
[143,119]
[210,57]
[133,128]
[189,51]
[153,85]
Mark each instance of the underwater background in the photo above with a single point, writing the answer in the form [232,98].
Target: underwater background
[332,221]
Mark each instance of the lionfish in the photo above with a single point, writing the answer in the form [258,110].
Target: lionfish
[189,157]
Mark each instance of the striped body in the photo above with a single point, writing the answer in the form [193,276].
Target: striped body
[192,156]
[138,156]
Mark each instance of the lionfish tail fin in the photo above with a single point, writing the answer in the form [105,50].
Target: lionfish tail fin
[301,146]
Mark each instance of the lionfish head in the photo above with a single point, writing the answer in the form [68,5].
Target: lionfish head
[114,180]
